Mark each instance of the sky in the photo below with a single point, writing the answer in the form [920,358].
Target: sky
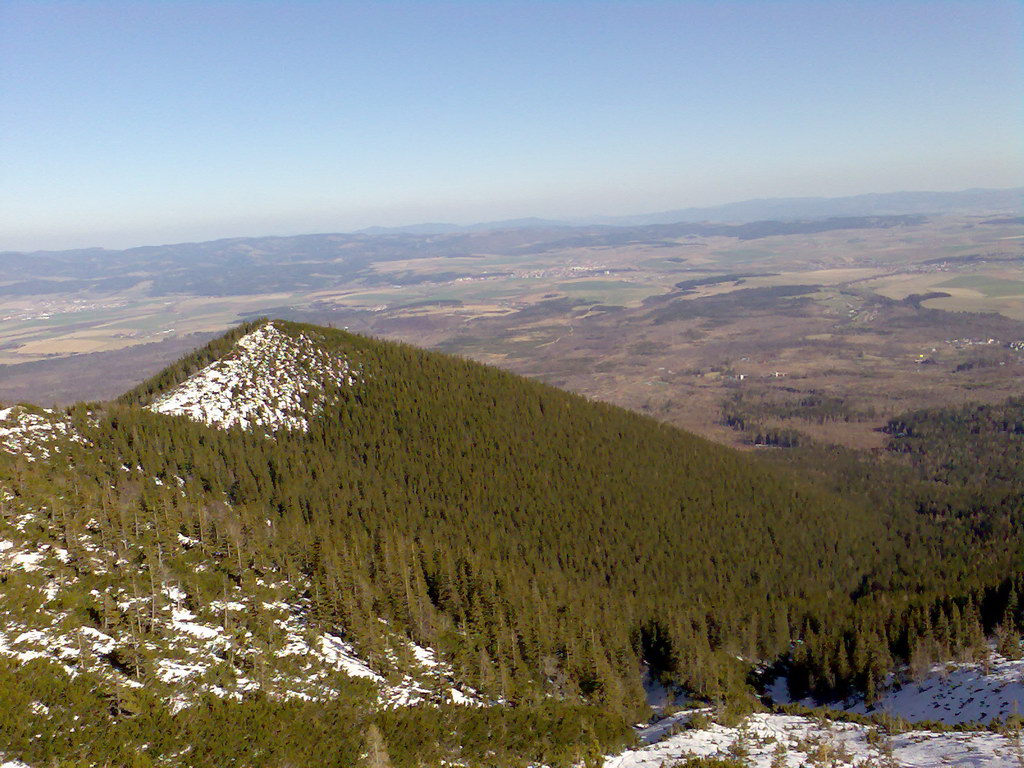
[130,123]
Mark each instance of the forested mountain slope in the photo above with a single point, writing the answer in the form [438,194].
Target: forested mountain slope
[296,513]
[522,526]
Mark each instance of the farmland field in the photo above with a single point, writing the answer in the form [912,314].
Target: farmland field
[990,286]
[886,315]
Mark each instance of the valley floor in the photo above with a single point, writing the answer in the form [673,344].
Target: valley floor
[948,693]
[765,740]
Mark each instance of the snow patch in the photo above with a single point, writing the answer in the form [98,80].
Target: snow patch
[341,655]
[425,656]
[175,593]
[34,435]
[270,380]
[176,671]
[799,741]
[181,620]
[27,561]
[949,693]
[102,644]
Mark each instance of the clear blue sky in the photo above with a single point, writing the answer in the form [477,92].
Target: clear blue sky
[144,122]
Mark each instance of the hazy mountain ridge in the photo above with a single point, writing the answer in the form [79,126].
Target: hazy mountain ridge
[871,204]
[314,262]
[762,209]
[262,262]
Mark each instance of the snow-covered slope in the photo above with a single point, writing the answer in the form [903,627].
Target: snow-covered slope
[951,693]
[270,379]
[86,601]
[35,433]
[253,636]
[763,741]
[959,693]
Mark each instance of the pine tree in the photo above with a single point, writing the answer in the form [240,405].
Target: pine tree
[376,748]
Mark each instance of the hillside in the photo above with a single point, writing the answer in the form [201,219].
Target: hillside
[540,499]
[300,527]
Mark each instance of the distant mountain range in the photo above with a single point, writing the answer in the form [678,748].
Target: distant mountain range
[729,219]
[874,204]
[440,228]
[249,265]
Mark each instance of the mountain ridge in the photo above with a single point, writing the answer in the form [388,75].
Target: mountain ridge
[977,200]
[973,201]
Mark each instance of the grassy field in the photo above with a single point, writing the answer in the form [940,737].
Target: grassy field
[990,286]
[620,292]
[971,302]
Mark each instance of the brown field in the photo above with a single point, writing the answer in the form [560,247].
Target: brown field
[782,319]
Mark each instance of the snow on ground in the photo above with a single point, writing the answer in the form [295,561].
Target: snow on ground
[657,695]
[176,671]
[958,693]
[950,693]
[270,379]
[424,656]
[341,655]
[433,681]
[208,646]
[101,643]
[27,561]
[182,621]
[800,741]
[34,433]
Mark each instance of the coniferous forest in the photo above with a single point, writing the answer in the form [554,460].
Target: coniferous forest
[551,549]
